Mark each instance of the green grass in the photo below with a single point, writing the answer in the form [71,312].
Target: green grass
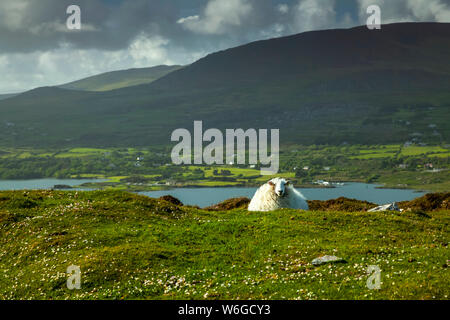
[82,152]
[416,150]
[120,79]
[390,151]
[88,150]
[234,171]
[206,183]
[374,156]
[133,247]
[423,180]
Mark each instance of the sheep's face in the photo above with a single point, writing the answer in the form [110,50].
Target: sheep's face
[280,186]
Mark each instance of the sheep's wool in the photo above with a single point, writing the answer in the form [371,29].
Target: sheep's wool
[265,198]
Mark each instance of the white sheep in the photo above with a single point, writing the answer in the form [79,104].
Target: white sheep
[275,194]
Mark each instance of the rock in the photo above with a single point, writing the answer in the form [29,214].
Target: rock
[340,204]
[172,200]
[61,187]
[327,259]
[428,203]
[230,204]
[386,207]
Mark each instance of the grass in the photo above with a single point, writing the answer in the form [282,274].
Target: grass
[391,151]
[133,247]
[416,150]
[88,150]
[374,156]
[121,79]
[423,180]
[233,171]
[81,152]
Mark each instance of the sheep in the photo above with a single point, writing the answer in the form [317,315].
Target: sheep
[275,194]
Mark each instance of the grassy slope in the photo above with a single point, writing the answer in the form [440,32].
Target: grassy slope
[130,246]
[121,79]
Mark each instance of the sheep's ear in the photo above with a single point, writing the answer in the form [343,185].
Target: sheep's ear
[271,183]
[288,182]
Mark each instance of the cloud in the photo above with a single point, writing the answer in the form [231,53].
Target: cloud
[67,63]
[188,19]
[314,14]
[147,51]
[408,10]
[47,28]
[12,14]
[431,10]
[283,8]
[218,17]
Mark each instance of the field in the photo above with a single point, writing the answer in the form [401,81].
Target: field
[145,169]
[133,247]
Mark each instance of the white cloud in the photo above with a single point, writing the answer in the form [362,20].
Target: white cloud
[276,30]
[431,10]
[47,68]
[187,19]
[146,51]
[313,15]
[408,10]
[283,8]
[218,16]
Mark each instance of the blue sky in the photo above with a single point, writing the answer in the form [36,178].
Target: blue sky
[37,49]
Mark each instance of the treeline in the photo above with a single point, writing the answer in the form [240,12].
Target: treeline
[307,163]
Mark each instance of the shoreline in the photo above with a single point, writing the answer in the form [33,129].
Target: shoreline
[109,183]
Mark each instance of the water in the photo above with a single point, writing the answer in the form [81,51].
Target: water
[203,197]
[39,184]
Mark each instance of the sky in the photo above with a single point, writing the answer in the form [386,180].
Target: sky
[37,49]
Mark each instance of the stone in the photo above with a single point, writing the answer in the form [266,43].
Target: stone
[172,200]
[61,187]
[327,259]
[386,207]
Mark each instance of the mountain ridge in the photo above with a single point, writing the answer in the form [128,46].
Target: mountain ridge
[331,86]
[120,78]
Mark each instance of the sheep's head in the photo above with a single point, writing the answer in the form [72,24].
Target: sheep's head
[280,186]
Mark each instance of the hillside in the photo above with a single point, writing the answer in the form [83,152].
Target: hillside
[321,87]
[133,247]
[120,79]
[6,96]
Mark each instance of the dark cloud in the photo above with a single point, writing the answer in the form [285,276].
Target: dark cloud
[31,25]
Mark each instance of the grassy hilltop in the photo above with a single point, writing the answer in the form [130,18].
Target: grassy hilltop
[120,79]
[134,247]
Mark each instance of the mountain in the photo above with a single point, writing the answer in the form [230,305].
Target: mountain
[321,87]
[120,79]
[7,96]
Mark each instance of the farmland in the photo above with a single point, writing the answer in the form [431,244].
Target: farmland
[141,169]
